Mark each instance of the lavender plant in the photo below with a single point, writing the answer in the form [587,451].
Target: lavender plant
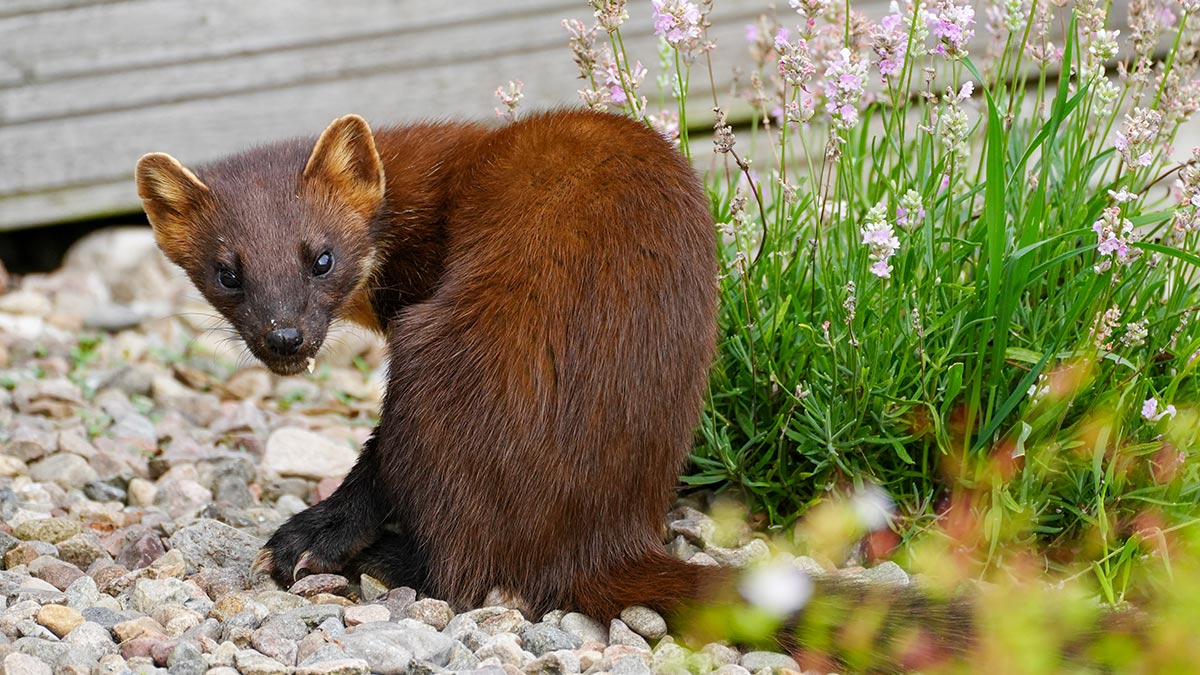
[960,262]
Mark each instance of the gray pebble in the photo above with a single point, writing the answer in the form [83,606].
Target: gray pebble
[232,490]
[645,622]
[250,662]
[694,526]
[721,654]
[92,639]
[17,663]
[462,658]
[324,652]
[28,441]
[186,659]
[319,583]
[505,621]
[504,647]
[372,588]
[282,648]
[104,616]
[397,601]
[332,628]
[460,625]
[383,654]
[101,491]
[436,613]
[151,593]
[135,427]
[142,547]
[336,667]
[209,543]
[422,642]
[620,634]
[754,551]
[886,572]
[667,653]
[47,530]
[541,638]
[82,550]
[756,661]
[43,649]
[314,615]
[584,627]
[281,601]
[631,664]
[554,663]
[65,469]
[55,572]
[7,541]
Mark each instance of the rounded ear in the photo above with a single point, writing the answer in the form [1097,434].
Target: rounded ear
[172,197]
[345,161]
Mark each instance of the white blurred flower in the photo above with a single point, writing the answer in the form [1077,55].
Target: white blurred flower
[777,587]
[873,506]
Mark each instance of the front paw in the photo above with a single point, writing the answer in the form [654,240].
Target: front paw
[308,543]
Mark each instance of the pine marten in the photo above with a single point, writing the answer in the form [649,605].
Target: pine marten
[547,290]
[548,294]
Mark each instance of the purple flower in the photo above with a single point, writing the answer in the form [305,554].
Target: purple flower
[878,236]
[950,25]
[1112,234]
[1151,412]
[844,87]
[795,63]
[889,41]
[677,21]
[616,85]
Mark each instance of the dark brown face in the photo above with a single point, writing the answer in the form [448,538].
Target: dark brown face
[281,281]
[278,238]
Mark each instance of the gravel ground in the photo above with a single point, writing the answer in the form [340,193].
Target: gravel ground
[141,470]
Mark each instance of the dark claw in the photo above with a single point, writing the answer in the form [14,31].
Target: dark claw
[262,570]
[263,565]
[305,566]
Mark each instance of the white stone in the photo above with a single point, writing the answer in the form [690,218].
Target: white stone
[292,451]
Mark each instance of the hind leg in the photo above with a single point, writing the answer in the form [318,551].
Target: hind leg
[326,536]
[396,559]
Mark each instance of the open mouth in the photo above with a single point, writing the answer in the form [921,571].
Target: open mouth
[287,364]
[290,366]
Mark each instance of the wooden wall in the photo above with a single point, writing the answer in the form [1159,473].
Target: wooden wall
[88,86]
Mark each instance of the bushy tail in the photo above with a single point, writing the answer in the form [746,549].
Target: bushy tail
[871,627]
[656,580]
[847,624]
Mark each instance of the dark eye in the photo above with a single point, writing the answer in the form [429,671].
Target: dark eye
[229,279]
[323,264]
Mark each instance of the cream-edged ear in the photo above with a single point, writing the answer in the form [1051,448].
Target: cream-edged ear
[172,197]
[346,161]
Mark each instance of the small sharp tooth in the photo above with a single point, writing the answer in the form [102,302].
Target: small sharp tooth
[312,364]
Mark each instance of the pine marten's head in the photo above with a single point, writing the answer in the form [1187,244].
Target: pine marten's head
[278,238]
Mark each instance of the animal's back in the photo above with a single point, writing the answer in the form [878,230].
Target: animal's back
[553,380]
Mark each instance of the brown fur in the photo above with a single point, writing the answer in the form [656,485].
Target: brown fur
[548,294]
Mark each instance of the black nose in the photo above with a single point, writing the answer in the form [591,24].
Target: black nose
[285,341]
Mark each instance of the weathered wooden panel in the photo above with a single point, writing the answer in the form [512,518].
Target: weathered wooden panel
[86,87]
[13,7]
